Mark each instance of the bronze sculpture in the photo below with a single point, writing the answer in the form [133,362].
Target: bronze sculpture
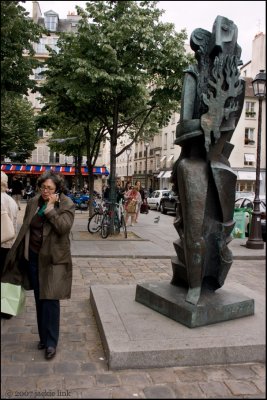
[212,101]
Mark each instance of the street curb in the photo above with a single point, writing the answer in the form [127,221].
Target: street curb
[260,257]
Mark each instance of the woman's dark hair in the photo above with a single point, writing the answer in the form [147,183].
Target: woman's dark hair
[57,178]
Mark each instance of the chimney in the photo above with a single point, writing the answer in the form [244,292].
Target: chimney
[36,11]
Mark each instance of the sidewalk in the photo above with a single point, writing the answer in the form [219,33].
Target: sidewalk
[80,370]
[154,240]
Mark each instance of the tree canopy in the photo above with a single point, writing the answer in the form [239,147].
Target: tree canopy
[18,33]
[123,68]
[18,132]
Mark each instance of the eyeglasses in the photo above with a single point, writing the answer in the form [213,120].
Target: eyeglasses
[49,189]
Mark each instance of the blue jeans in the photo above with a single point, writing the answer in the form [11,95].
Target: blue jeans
[48,311]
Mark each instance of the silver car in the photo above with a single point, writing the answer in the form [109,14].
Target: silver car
[154,199]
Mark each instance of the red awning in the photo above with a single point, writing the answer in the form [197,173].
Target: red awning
[39,169]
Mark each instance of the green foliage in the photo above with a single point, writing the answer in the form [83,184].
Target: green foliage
[18,134]
[17,34]
[123,68]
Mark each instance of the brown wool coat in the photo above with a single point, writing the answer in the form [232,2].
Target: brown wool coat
[55,264]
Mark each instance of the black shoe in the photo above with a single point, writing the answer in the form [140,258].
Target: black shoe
[50,352]
[40,346]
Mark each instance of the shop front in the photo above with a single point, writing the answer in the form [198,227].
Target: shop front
[29,173]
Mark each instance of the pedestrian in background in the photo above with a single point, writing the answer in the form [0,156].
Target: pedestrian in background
[132,201]
[47,265]
[10,206]
[142,193]
[17,190]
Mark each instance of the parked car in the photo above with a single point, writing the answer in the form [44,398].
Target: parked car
[247,203]
[168,202]
[154,199]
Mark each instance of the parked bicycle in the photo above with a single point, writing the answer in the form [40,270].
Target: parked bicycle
[95,221]
[118,220]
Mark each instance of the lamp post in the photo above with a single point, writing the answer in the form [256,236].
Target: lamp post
[146,146]
[128,152]
[255,237]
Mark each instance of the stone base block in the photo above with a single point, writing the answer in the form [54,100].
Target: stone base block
[135,336]
[213,307]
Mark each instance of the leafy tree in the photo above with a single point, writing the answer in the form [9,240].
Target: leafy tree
[18,32]
[123,68]
[18,134]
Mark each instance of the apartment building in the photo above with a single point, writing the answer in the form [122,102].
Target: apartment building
[43,158]
[163,153]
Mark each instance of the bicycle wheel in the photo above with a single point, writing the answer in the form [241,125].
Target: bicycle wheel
[123,226]
[105,226]
[94,223]
[117,224]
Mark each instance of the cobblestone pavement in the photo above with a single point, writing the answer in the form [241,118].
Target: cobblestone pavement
[79,369]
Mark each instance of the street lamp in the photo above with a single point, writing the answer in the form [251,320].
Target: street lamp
[128,152]
[255,237]
[146,146]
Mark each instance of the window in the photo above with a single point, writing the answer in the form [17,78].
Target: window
[50,41]
[172,139]
[249,136]
[249,159]
[51,22]
[250,111]
[173,119]
[37,73]
[165,141]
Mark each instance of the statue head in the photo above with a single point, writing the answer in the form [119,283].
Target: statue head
[224,38]
[199,42]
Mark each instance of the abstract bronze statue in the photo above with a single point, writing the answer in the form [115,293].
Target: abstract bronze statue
[212,101]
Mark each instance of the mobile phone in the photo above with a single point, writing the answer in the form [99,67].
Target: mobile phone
[58,193]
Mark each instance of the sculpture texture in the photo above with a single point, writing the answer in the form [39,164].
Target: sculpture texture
[212,101]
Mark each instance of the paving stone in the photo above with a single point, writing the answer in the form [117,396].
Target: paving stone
[14,369]
[162,375]
[242,387]
[241,371]
[66,355]
[215,389]
[138,378]
[129,392]
[107,379]
[260,384]
[20,383]
[159,392]
[91,393]
[48,383]
[190,374]
[91,367]
[188,390]
[39,368]
[259,369]
[67,367]
[216,373]
[80,382]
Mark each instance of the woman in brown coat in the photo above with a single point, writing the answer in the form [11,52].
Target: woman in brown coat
[40,258]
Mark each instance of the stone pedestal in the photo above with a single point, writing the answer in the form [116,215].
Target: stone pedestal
[213,307]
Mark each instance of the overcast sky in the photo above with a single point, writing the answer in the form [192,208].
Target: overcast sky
[247,15]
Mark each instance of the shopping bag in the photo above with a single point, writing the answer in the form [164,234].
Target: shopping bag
[7,227]
[13,298]
[131,207]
